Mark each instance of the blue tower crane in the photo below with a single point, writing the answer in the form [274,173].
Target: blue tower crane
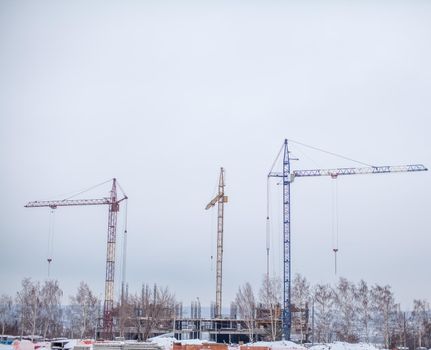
[288,178]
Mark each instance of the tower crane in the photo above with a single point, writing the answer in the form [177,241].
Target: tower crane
[114,206]
[220,199]
[288,177]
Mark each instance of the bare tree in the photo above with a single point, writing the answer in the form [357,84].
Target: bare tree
[399,331]
[6,304]
[125,310]
[384,311]
[345,303]
[150,308]
[364,309]
[29,302]
[420,319]
[270,297]
[51,308]
[84,311]
[300,299]
[324,313]
[246,303]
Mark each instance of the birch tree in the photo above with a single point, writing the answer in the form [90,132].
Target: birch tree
[270,297]
[84,311]
[384,310]
[345,296]
[247,307]
[420,319]
[324,313]
[29,302]
[364,309]
[6,304]
[51,312]
[300,299]
[400,326]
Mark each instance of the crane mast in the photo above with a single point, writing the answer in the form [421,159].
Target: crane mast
[287,178]
[110,262]
[114,206]
[220,199]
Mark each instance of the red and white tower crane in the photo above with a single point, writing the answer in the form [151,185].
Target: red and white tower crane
[220,199]
[113,203]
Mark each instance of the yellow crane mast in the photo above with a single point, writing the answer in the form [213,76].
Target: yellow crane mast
[220,199]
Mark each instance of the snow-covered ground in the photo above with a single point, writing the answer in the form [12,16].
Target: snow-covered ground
[288,345]
[344,346]
[166,344]
[5,347]
[278,345]
[20,345]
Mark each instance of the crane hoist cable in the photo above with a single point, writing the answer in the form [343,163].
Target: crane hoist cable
[50,248]
[268,228]
[123,287]
[124,252]
[335,221]
[213,228]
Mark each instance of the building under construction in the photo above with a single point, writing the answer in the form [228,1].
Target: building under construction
[227,329]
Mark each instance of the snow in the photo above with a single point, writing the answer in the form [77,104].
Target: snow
[5,347]
[23,345]
[285,345]
[279,345]
[343,346]
[193,342]
[164,342]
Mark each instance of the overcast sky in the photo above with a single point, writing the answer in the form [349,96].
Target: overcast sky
[160,94]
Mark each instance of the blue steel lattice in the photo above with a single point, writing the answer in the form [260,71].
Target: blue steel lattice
[287,317]
[353,171]
[288,178]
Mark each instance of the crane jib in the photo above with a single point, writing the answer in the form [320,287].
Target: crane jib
[66,203]
[352,171]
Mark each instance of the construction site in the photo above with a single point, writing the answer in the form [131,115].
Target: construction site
[219,328]
[215,175]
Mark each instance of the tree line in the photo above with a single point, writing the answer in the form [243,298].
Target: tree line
[346,311]
[321,313]
[37,310]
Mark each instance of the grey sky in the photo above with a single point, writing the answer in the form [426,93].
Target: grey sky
[161,94]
